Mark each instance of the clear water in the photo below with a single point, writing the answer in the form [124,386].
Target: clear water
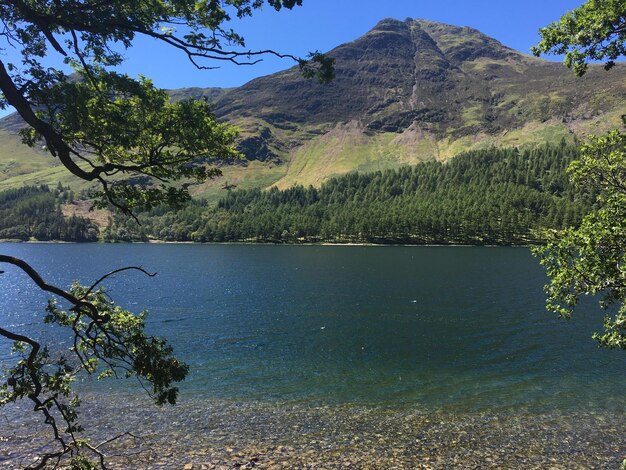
[447,328]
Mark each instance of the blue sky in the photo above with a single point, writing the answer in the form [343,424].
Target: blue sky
[324,24]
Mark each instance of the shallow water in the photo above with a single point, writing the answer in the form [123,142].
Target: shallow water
[223,434]
[370,335]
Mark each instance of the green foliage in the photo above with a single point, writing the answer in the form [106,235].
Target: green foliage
[594,31]
[140,148]
[34,213]
[318,66]
[118,342]
[107,340]
[590,260]
[90,31]
[132,128]
[494,196]
[81,463]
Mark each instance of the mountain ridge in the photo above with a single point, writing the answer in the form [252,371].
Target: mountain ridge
[404,92]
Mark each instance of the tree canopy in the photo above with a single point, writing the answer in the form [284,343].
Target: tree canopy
[590,260]
[596,31]
[487,196]
[137,146]
[107,127]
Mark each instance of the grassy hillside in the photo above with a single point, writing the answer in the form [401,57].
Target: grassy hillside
[16,159]
[487,196]
[405,92]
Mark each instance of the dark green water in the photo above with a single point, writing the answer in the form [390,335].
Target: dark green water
[434,327]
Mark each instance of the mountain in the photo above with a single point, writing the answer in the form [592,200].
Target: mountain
[404,92]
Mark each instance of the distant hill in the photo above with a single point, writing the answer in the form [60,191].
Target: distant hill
[405,92]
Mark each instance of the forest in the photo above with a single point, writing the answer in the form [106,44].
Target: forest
[492,196]
[34,212]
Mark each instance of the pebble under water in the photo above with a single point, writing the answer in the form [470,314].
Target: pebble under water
[337,357]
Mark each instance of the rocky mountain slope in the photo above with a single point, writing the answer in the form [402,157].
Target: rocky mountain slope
[404,92]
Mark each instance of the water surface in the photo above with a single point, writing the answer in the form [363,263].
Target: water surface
[456,330]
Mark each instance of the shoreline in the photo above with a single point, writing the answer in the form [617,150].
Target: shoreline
[164,242]
[205,434]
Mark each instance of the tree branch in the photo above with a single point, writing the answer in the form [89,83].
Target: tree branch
[54,141]
[127,268]
[34,275]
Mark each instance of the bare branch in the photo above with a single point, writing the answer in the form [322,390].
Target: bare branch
[34,275]
[127,268]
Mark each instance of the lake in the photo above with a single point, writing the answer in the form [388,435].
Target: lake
[295,346]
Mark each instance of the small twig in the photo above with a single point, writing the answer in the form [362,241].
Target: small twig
[127,268]
[43,285]
[119,436]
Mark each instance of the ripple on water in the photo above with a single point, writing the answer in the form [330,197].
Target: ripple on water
[484,376]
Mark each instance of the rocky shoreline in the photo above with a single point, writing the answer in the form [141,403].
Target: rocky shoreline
[215,435]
